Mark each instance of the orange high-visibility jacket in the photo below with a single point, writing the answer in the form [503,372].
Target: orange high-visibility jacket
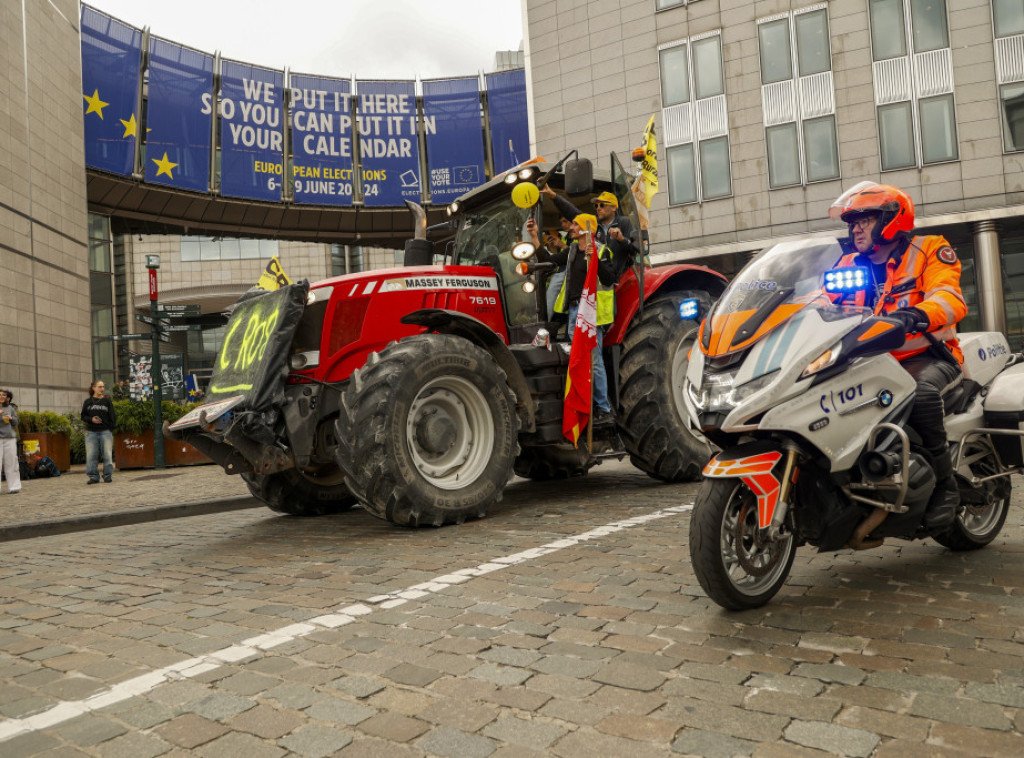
[926,277]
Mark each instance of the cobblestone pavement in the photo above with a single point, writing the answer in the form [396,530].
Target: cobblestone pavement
[568,623]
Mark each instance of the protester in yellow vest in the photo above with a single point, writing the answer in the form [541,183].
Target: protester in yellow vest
[576,259]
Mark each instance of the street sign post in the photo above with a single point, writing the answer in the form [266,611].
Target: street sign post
[133,336]
[145,319]
[169,309]
[181,328]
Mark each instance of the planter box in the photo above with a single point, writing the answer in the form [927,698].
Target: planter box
[54,445]
[136,451]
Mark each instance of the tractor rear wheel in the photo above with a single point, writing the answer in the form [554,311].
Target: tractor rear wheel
[658,433]
[297,494]
[428,431]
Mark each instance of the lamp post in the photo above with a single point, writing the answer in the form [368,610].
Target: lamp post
[159,459]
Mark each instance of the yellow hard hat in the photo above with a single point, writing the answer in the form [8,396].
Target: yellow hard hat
[607,197]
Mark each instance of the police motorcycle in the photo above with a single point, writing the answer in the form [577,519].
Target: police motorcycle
[810,412]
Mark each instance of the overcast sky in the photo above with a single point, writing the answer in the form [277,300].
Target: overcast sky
[370,39]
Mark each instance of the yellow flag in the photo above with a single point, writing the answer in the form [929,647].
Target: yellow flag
[645,186]
[273,276]
[649,165]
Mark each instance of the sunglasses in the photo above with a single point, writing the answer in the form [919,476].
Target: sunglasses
[603,205]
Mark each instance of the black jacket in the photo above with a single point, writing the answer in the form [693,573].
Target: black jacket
[623,253]
[102,407]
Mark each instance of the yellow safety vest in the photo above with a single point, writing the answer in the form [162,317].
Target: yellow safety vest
[605,294]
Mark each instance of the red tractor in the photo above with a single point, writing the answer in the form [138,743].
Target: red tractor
[418,391]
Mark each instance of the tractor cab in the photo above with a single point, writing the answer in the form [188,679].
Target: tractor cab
[490,229]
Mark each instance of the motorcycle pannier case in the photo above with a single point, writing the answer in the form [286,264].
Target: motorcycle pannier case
[1004,409]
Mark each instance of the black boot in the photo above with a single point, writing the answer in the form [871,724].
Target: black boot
[945,497]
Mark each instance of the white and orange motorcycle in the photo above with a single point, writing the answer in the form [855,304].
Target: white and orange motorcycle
[810,412]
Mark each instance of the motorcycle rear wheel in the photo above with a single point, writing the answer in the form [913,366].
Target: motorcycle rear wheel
[976,526]
[736,566]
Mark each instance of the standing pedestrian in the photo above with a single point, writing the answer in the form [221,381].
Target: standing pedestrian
[99,417]
[9,442]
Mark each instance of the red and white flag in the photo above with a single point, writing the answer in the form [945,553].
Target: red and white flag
[579,381]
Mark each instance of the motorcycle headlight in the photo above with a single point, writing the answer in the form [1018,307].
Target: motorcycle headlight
[718,392]
[823,361]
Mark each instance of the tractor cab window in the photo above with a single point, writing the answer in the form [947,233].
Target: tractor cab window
[486,237]
[489,231]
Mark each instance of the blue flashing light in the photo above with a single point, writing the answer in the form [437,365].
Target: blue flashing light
[689,309]
[849,279]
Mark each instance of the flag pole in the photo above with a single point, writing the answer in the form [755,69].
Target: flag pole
[590,365]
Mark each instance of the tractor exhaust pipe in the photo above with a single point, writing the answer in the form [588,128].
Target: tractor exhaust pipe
[418,251]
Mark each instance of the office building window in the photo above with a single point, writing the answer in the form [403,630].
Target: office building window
[226,248]
[1008,17]
[101,297]
[661,5]
[1008,25]
[798,97]
[913,80]
[696,124]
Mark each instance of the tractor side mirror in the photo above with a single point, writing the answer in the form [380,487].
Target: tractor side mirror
[579,177]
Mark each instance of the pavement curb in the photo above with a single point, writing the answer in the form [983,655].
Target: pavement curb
[123,518]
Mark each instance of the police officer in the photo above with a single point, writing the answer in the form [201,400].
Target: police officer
[916,280]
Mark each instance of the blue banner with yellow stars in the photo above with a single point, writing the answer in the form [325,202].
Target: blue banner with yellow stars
[179,116]
[321,121]
[111,62]
[388,142]
[251,131]
[506,107]
[455,137]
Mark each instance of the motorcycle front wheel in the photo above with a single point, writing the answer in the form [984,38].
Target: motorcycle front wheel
[735,562]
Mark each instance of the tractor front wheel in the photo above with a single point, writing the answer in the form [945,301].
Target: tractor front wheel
[295,493]
[428,431]
[658,433]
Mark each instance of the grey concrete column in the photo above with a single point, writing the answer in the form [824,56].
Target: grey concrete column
[988,270]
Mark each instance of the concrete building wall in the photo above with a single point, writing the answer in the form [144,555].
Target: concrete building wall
[595,79]
[45,352]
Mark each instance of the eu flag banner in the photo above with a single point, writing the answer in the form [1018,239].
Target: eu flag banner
[454,134]
[388,143]
[321,128]
[251,133]
[179,116]
[111,61]
[510,130]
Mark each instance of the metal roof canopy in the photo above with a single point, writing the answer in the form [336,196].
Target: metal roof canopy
[139,208]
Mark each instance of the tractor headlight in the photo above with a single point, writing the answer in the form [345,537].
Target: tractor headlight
[526,173]
[523,251]
[453,208]
[511,178]
[529,286]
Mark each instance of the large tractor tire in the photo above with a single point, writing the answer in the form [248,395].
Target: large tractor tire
[658,433]
[297,494]
[542,463]
[428,431]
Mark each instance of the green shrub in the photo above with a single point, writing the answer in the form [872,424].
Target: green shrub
[136,416]
[77,437]
[133,416]
[54,423]
[27,422]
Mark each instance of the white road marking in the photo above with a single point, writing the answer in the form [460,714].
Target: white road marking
[253,646]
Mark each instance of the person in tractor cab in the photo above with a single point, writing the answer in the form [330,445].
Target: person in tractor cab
[576,259]
[613,230]
[915,279]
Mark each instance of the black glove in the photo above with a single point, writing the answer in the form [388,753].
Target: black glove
[914,320]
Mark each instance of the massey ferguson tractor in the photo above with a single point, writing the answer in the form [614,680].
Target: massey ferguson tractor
[418,391]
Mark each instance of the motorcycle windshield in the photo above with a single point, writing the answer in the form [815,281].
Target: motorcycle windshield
[776,285]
